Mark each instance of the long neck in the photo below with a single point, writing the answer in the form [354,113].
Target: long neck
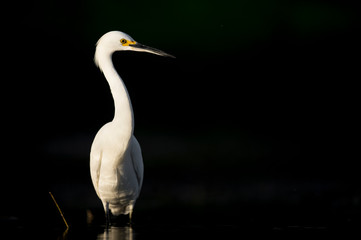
[123,115]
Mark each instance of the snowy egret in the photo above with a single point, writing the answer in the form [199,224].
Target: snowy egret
[116,163]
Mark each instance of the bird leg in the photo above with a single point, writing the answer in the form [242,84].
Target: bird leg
[130,214]
[130,217]
[107,215]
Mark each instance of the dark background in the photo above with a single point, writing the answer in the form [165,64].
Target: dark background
[255,121]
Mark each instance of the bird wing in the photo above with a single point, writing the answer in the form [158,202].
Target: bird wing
[137,160]
[95,162]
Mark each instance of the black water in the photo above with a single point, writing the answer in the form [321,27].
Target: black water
[273,195]
[181,231]
[197,199]
[236,221]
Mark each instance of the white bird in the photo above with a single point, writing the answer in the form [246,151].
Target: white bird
[116,163]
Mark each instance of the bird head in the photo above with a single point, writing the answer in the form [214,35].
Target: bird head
[119,41]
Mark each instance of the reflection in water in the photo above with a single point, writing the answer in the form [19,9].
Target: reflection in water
[64,235]
[116,233]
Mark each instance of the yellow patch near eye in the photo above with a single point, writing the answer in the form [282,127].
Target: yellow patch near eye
[126,42]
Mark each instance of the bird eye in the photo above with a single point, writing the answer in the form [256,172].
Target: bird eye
[123,41]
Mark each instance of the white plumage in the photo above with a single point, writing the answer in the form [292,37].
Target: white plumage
[116,163]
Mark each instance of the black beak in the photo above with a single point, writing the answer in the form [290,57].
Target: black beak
[142,48]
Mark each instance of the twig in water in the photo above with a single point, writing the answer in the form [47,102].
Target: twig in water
[61,213]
